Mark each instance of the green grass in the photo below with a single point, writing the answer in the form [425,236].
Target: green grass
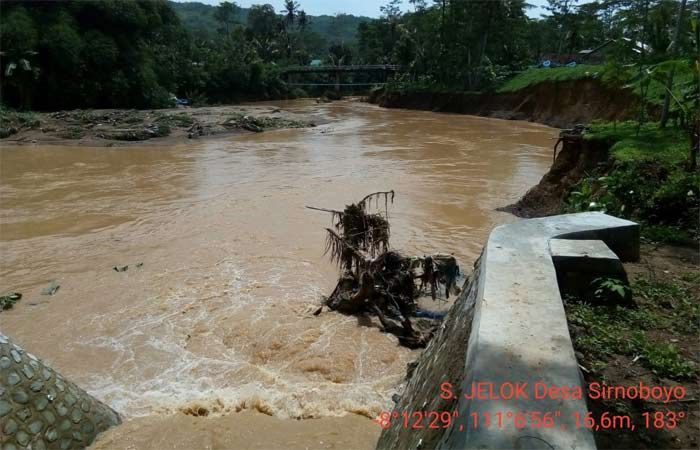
[531,77]
[631,142]
[664,307]
[662,234]
[627,79]
[684,315]
[645,180]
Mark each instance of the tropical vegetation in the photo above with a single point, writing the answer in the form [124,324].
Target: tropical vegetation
[144,53]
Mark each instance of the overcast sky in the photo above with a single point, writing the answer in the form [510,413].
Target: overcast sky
[368,8]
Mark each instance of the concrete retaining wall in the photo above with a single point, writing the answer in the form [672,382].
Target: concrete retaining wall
[509,327]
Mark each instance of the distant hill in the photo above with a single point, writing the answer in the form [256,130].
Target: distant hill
[199,18]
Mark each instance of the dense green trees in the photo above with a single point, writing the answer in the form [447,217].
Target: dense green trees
[226,15]
[97,53]
[19,38]
[473,44]
[137,53]
[450,42]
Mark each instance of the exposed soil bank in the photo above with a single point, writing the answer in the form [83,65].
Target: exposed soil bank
[573,161]
[119,127]
[559,104]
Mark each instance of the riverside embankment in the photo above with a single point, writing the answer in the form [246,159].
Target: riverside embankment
[122,127]
[556,103]
[631,170]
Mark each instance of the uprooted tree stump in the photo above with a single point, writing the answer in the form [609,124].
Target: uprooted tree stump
[382,282]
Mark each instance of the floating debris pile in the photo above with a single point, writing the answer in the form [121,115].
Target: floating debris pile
[379,281]
[8,300]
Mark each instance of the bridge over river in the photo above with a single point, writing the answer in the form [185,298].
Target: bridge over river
[370,75]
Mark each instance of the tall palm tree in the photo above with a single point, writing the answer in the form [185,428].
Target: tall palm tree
[291,7]
[225,13]
[302,20]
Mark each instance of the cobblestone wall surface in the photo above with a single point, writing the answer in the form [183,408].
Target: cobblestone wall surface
[40,410]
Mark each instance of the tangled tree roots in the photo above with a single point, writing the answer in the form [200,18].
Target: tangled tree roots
[378,281]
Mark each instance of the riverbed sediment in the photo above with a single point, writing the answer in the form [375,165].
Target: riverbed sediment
[120,127]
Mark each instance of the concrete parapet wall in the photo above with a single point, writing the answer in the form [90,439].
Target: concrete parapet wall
[39,409]
[518,333]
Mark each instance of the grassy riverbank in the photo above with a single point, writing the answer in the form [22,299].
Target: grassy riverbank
[644,179]
[516,82]
[610,76]
[561,98]
[533,76]
[644,176]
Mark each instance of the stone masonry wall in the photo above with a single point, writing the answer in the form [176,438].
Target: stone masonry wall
[39,409]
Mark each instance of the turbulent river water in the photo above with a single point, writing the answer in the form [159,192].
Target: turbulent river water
[218,317]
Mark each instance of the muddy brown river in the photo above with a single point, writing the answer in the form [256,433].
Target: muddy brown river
[218,318]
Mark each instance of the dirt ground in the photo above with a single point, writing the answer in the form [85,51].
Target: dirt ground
[119,127]
[666,290]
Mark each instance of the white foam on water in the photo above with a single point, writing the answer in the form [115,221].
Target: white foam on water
[155,372]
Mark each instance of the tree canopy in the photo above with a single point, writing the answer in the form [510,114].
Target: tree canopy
[139,53]
[474,44]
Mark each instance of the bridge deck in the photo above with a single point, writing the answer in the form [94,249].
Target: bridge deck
[335,69]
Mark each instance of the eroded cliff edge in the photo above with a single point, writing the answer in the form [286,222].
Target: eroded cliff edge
[555,103]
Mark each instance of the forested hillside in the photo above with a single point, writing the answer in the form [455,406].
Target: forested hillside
[140,53]
[200,19]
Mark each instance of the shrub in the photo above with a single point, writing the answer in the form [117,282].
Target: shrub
[654,192]
[299,93]
[677,200]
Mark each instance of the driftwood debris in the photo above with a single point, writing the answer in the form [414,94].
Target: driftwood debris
[379,281]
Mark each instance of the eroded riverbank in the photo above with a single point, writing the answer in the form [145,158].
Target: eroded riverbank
[560,104]
[219,315]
